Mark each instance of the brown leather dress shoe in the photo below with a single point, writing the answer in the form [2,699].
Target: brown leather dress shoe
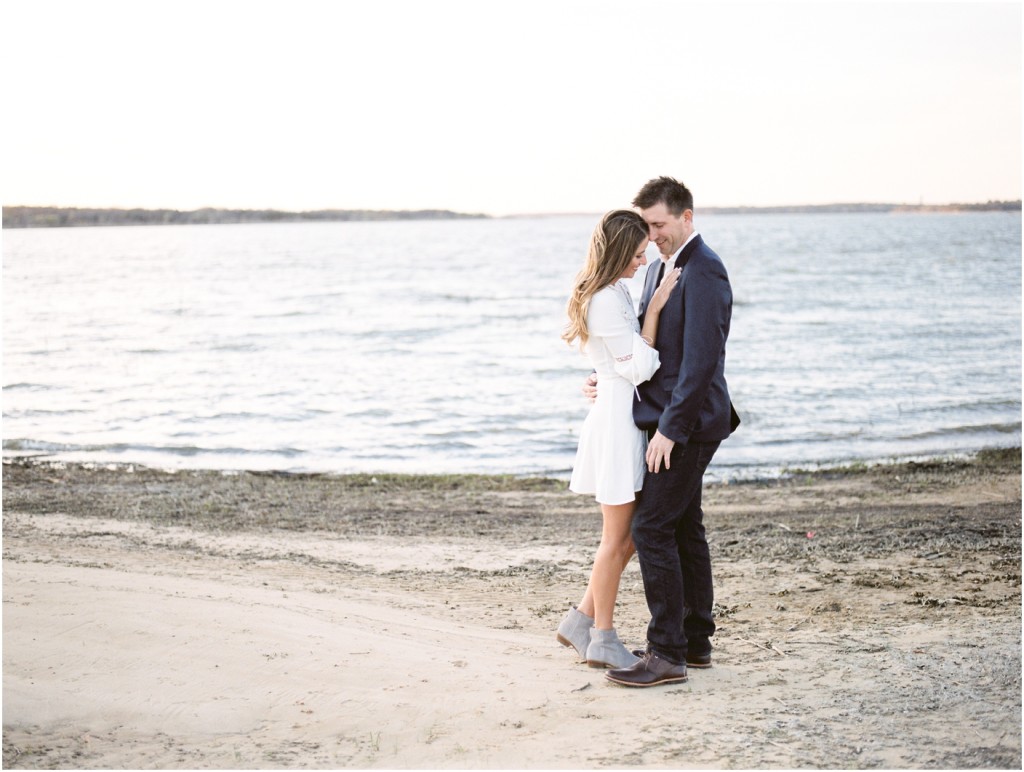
[700,661]
[651,670]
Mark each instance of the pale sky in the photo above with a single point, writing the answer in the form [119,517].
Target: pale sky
[509,106]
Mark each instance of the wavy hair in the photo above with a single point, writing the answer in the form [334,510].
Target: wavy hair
[612,247]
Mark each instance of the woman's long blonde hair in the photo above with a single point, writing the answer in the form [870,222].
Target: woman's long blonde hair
[612,247]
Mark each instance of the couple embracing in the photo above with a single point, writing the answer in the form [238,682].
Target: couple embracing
[661,409]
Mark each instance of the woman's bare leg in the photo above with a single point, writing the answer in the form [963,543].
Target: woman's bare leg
[612,556]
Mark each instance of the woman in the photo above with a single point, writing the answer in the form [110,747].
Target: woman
[610,458]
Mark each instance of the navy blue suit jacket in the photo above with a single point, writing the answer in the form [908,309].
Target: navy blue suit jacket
[687,398]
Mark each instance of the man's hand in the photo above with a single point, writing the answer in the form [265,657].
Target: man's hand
[590,387]
[659,449]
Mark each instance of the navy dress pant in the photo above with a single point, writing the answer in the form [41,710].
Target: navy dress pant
[668,531]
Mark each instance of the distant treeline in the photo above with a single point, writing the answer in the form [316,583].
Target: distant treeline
[64,217]
[989,206]
[61,217]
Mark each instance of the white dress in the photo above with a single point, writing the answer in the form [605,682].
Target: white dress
[610,458]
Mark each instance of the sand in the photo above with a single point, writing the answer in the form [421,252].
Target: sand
[868,617]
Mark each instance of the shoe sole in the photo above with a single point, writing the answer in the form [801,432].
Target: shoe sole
[605,665]
[659,682]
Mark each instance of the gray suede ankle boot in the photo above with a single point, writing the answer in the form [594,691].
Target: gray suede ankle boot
[574,631]
[606,650]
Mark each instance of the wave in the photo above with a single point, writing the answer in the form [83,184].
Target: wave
[29,387]
[244,348]
[1005,428]
[436,447]
[287,314]
[44,446]
[377,412]
[36,412]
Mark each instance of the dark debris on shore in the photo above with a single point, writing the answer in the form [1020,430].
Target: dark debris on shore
[506,508]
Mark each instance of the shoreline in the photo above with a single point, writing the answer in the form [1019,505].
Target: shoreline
[712,476]
[866,618]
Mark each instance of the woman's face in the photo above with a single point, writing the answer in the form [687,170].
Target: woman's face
[639,258]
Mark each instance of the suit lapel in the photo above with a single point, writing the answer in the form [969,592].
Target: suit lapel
[687,251]
[650,284]
[651,281]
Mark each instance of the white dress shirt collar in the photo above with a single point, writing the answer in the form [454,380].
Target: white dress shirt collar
[675,255]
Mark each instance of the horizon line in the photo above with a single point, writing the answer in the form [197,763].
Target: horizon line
[553,213]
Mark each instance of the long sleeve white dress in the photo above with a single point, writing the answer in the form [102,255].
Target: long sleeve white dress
[610,458]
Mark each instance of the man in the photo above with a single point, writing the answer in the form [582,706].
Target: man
[686,411]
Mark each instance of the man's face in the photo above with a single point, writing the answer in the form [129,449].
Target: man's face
[667,231]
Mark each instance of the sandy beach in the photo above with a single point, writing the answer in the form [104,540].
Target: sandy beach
[869,617]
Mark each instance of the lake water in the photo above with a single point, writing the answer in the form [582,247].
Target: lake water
[433,346]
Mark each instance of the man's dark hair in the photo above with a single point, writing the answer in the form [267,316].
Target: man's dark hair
[673,194]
